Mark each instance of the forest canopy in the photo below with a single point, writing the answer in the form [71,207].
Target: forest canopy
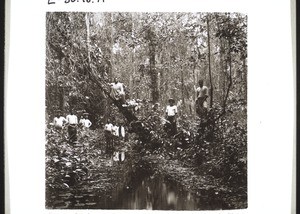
[155,55]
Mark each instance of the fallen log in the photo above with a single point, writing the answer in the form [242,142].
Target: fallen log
[140,128]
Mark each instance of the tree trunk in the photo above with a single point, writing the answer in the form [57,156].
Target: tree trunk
[108,63]
[130,85]
[56,89]
[142,129]
[182,90]
[244,78]
[209,62]
[222,76]
[230,77]
[132,74]
[153,71]
[87,22]
[61,99]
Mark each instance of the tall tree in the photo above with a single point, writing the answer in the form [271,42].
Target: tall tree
[153,71]
[209,60]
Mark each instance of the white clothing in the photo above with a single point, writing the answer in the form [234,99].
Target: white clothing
[132,103]
[202,91]
[117,154]
[81,121]
[108,127]
[171,110]
[59,122]
[122,131]
[72,119]
[115,131]
[86,123]
[122,156]
[118,87]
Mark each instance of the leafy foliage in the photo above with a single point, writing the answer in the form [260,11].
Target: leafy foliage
[85,51]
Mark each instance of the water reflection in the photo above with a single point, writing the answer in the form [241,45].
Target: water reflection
[154,193]
[143,190]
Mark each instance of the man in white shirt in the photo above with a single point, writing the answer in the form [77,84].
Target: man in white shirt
[81,121]
[201,101]
[202,90]
[117,90]
[108,136]
[72,126]
[86,122]
[171,112]
[59,121]
[115,131]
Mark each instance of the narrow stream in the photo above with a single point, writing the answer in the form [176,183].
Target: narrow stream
[154,192]
[144,190]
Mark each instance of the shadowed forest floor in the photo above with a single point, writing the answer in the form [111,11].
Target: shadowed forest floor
[83,176]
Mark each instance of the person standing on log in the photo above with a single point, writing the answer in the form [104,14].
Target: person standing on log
[171,112]
[117,91]
[72,122]
[201,101]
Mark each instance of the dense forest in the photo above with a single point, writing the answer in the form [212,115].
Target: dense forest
[157,56]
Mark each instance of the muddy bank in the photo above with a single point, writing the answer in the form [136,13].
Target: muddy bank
[213,193]
[95,190]
[81,175]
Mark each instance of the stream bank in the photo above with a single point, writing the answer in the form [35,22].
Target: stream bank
[213,193]
[82,176]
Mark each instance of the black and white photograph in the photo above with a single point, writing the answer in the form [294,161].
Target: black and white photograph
[146,110]
[138,106]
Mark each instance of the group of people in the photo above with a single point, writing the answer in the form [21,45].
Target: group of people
[71,122]
[114,132]
[201,108]
[118,93]
[113,135]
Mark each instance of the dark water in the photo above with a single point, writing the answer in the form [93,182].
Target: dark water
[143,190]
[153,192]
